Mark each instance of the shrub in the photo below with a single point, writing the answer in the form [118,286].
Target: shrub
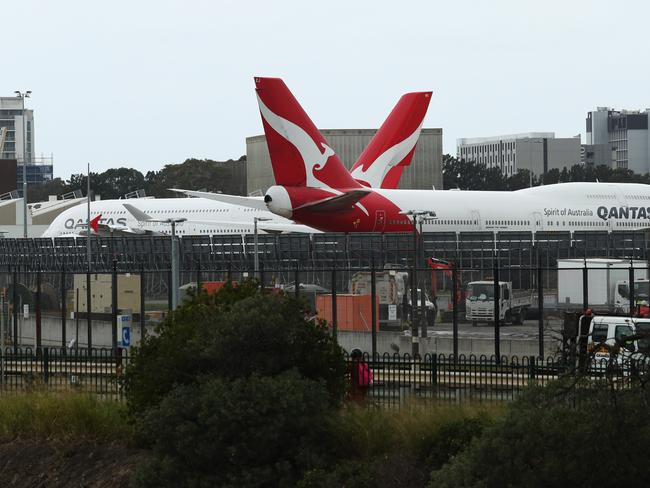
[234,333]
[235,390]
[258,431]
[390,448]
[544,440]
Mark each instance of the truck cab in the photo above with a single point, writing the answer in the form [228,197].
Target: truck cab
[622,295]
[479,303]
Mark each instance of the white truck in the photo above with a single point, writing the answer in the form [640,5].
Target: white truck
[607,284]
[479,303]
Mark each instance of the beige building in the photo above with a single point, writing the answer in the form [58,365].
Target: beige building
[424,173]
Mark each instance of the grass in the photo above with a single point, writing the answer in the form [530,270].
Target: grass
[64,416]
[410,428]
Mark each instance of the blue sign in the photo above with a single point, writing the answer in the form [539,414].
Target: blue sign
[126,336]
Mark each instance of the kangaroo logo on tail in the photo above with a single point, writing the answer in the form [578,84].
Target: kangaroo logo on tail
[312,157]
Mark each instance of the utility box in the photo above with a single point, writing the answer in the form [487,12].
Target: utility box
[101,297]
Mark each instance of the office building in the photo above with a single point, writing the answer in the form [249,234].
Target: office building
[19,128]
[424,173]
[626,132]
[537,152]
[597,155]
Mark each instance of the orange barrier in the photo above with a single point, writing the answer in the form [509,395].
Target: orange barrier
[353,312]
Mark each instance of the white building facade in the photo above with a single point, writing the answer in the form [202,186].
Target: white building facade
[18,129]
[537,152]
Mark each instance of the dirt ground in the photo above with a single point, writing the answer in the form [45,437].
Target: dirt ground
[35,464]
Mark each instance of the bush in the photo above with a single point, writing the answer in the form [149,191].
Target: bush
[396,448]
[543,441]
[234,333]
[235,390]
[259,431]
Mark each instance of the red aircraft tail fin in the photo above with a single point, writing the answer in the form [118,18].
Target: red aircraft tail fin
[300,155]
[94,224]
[381,163]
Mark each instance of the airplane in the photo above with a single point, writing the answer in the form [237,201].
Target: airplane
[313,188]
[380,164]
[147,216]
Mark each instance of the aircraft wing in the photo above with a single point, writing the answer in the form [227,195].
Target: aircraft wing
[251,202]
[268,227]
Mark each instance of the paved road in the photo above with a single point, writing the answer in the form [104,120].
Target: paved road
[529,330]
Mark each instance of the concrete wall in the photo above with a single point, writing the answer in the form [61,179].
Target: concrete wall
[387,342]
[102,334]
[424,172]
[563,152]
[637,151]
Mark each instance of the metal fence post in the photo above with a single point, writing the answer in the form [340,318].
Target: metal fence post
[631,287]
[334,309]
[423,313]
[296,282]
[64,312]
[434,369]
[142,305]
[46,365]
[454,310]
[114,305]
[170,291]
[15,310]
[38,332]
[540,306]
[531,367]
[585,288]
[373,311]
[88,313]
[497,311]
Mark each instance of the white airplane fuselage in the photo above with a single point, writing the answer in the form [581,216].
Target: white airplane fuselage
[204,217]
[561,207]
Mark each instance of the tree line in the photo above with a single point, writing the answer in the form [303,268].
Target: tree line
[469,175]
[193,174]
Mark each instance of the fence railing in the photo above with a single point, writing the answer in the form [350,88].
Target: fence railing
[97,371]
[398,380]
[386,380]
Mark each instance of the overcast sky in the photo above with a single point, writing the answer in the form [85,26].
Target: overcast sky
[144,83]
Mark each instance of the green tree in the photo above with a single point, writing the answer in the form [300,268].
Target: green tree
[117,182]
[235,389]
[521,179]
[195,174]
[40,193]
[235,333]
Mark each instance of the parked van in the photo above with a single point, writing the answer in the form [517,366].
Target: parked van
[621,336]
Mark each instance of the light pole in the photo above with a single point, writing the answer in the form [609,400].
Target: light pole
[415,215]
[22,96]
[175,284]
[256,244]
